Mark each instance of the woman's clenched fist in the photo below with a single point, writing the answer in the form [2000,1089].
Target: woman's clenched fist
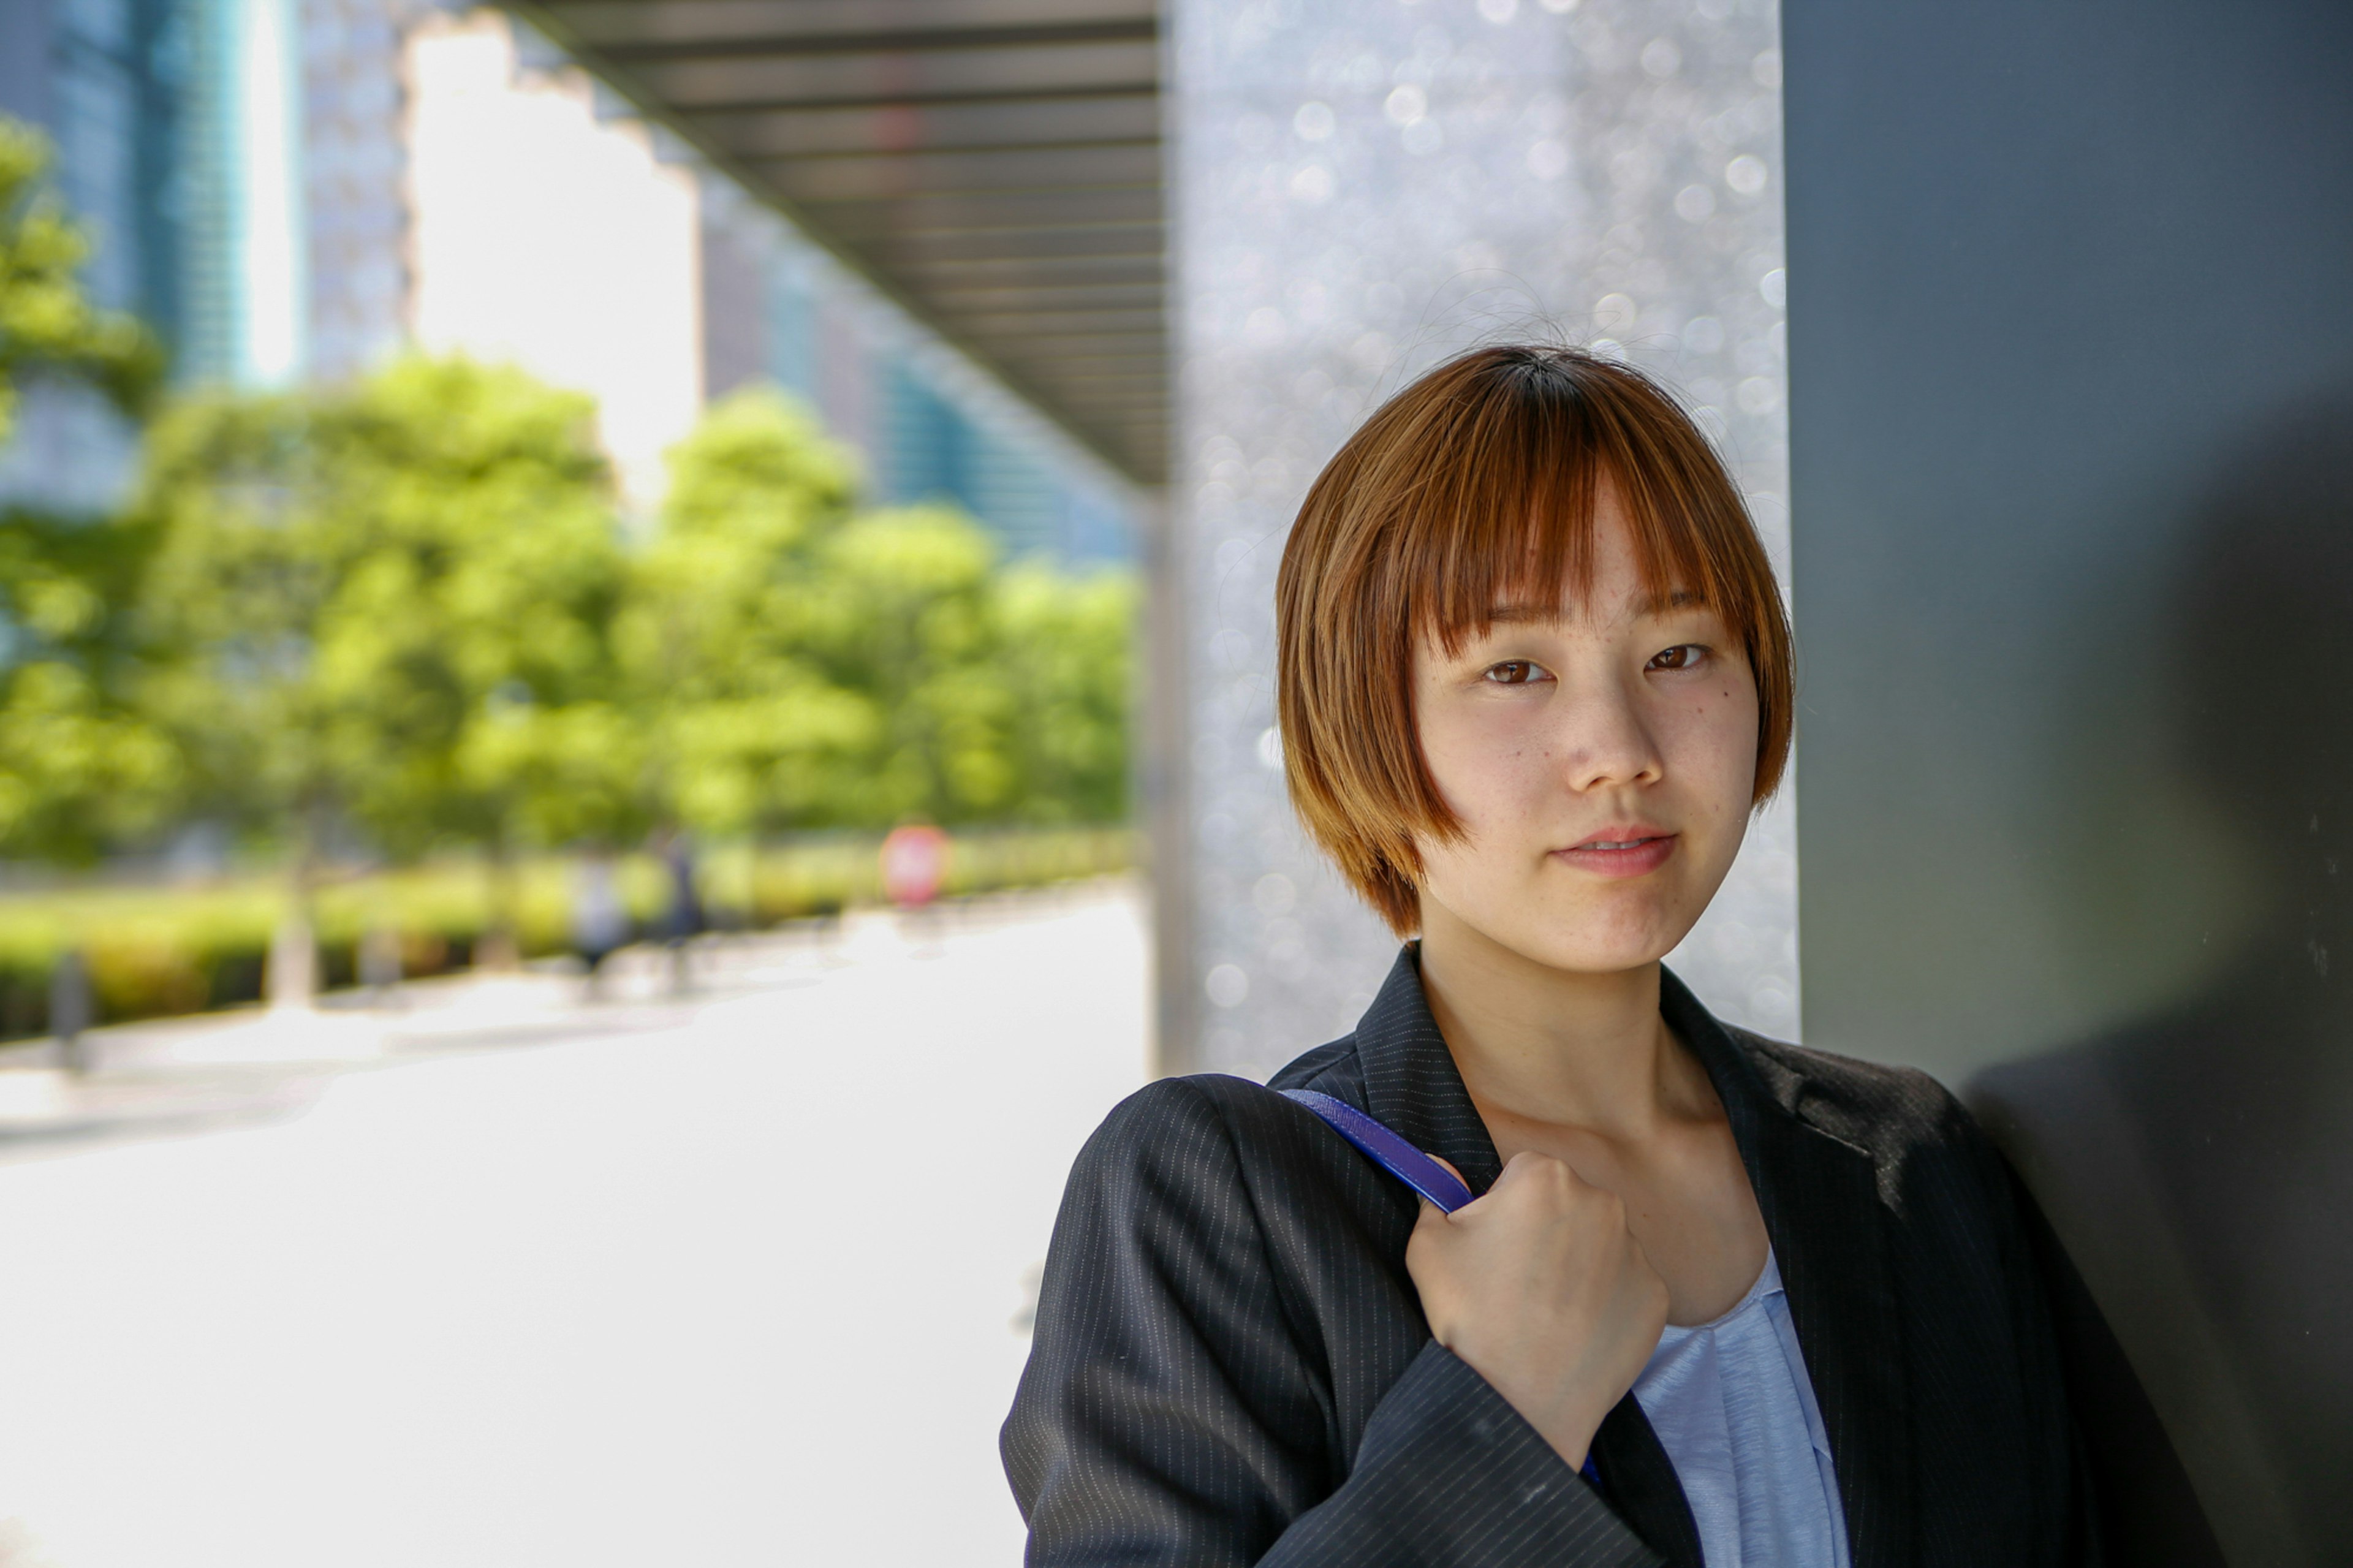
[1540,1287]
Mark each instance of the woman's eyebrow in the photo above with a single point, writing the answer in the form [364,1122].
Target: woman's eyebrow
[1681,599]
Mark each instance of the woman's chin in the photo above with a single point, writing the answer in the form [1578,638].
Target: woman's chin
[1583,935]
[1612,950]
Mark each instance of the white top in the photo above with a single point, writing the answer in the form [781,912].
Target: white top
[1734,1409]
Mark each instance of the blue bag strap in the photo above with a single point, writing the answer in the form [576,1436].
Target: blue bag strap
[1401,1160]
[1385,1148]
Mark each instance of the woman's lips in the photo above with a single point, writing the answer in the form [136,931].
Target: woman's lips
[1614,854]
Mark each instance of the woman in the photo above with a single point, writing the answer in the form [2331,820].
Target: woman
[1718,1299]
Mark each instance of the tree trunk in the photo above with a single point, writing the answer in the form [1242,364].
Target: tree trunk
[291,980]
[499,948]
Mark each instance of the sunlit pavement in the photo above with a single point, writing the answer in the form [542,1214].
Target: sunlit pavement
[736,1281]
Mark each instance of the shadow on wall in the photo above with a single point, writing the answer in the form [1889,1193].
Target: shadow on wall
[2198,1166]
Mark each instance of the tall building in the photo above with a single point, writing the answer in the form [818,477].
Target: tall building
[109,85]
[933,428]
[292,189]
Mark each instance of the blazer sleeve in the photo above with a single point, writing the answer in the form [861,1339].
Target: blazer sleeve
[1169,1415]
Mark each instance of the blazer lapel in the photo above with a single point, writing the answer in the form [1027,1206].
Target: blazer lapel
[1819,1199]
[1411,1085]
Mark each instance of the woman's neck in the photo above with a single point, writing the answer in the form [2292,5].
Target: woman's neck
[1575,1050]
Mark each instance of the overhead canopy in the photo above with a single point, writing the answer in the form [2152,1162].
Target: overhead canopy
[994,163]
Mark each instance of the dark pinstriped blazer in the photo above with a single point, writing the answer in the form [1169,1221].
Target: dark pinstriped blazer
[1231,1364]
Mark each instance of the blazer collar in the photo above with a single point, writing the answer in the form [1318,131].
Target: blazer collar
[1813,1189]
[1411,1083]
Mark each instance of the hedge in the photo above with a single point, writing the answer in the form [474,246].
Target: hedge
[156,950]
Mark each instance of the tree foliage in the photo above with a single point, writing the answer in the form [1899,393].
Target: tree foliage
[743,729]
[406,610]
[78,769]
[805,665]
[46,323]
[1064,653]
[388,606]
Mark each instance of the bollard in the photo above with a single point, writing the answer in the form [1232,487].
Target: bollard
[71,1009]
[379,964]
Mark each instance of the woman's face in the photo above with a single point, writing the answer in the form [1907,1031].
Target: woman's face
[1600,756]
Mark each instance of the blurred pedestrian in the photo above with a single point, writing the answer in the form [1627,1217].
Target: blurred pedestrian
[600,921]
[380,971]
[914,865]
[682,920]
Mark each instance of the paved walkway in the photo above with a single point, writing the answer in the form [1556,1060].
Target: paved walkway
[514,1278]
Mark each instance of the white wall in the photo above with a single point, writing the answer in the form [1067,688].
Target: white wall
[546,237]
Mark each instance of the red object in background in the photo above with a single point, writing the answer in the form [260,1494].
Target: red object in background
[914,865]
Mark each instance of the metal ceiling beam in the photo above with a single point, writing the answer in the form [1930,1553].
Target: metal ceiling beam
[1036,272]
[1128,117]
[816,24]
[743,80]
[969,302]
[878,175]
[993,165]
[959,210]
[997,245]
[1081,362]
[1040,325]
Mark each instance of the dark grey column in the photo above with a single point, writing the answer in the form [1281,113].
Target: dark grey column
[1361,187]
[2071,306]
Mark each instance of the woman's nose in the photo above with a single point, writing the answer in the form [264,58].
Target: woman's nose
[1602,740]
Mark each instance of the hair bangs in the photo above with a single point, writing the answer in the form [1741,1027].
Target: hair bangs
[1507,523]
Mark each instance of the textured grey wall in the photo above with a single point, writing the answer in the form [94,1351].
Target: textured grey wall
[1361,187]
[2073,461]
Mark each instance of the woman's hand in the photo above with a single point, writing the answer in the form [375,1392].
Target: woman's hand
[1540,1287]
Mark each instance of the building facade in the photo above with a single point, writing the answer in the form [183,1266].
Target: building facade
[290,190]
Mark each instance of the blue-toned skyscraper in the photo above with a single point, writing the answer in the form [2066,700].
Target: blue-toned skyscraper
[776,307]
[244,166]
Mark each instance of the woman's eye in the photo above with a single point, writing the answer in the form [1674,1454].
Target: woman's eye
[1515,672]
[1682,656]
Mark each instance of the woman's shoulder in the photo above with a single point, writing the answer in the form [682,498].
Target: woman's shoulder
[1874,1106]
[1209,1126]
[1931,1164]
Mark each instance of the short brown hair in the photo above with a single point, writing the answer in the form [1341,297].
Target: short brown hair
[1468,490]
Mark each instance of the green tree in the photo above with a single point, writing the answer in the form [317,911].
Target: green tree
[468,646]
[48,324]
[78,770]
[1004,688]
[908,627]
[745,729]
[388,606]
[799,664]
[1066,647]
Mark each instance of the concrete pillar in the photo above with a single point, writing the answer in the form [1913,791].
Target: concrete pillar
[1360,188]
